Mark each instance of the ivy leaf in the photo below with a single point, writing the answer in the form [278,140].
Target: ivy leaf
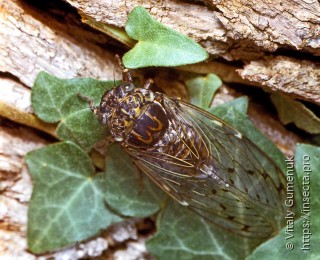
[82,128]
[184,235]
[67,204]
[292,111]
[158,45]
[307,164]
[126,193]
[239,104]
[288,244]
[202,89]
[54,99]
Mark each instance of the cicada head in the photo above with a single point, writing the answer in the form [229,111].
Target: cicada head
[120,107]
[110,101]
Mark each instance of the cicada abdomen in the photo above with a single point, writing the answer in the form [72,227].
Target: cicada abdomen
[197,158]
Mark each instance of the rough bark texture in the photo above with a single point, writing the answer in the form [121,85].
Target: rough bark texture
[235,29]
[269,25]
[36,41]
[52,38]
[15,189]
[196,21]
[298,78]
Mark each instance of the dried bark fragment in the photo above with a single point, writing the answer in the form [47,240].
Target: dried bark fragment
[268,25]
[15,104]
[15,94]
[32,41]
[300,79]
[15,190]
[228,73]
[268,125]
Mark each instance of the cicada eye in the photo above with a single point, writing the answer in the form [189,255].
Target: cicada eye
[102,118]
[128,87]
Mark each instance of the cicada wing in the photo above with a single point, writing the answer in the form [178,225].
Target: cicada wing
[238,161]
[206,198]
[236,186]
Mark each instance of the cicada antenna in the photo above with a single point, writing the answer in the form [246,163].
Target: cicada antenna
[114,76]
[126,76]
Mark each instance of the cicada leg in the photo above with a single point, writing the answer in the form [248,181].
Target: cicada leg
[90,100]
[109,140]
[102,145]
[140,180]
[148,84]
[140,175]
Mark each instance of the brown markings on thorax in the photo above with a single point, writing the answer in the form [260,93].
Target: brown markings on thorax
[150,127]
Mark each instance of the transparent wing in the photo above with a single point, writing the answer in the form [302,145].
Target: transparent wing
[229,181]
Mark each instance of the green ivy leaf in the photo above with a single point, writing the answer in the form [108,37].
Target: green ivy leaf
[184,235]
[292,111]
[54,99]
[158,45]
[124,193]
[67,204]
[239,104]
[82,128]
[202,89]
[307,165]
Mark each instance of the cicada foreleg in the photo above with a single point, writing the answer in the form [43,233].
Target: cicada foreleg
[148,84]
[90,100]
[140,176]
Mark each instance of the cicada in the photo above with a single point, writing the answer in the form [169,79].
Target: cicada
[197,158]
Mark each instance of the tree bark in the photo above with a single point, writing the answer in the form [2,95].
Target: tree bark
[267,44]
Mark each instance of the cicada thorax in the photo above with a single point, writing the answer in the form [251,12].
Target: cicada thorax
[138,120]
[141,121]
[150,127]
